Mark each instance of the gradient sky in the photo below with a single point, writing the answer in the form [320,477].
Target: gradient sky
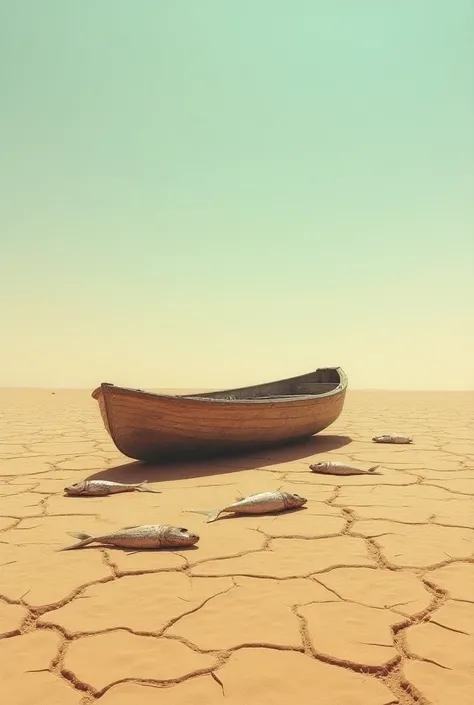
[211,193]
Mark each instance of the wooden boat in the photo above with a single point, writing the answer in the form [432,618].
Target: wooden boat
[153,427]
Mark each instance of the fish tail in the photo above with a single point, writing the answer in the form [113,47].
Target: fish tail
[373,468]
[212,516]
[84,540]
[142,487]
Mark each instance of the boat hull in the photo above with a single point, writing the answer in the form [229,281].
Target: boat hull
[158,427]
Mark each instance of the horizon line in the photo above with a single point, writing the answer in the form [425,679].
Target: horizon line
[206,389]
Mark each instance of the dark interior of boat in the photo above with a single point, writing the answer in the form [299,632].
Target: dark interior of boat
[315,383]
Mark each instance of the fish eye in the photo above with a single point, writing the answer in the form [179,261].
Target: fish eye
[182,530]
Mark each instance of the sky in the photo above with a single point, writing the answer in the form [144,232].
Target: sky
[212,194]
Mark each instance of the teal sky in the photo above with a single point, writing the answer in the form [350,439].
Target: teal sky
[215,193]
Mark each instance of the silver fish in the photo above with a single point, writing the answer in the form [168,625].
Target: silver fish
[262,503]
[145,536]
[328,467]
[101,488]
[391,438]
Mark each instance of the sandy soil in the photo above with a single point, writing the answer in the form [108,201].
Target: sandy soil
[364,597]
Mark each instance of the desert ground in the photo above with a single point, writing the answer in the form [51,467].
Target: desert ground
[363,597]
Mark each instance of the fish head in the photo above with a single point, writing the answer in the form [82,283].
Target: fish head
[76,488]
[294,500]
[322,464]
[180,536]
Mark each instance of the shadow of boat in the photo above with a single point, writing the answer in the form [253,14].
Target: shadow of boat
[138,471]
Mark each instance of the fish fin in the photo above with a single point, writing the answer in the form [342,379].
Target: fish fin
[212,516]
[84,540]
[373,469]
[142,488]
[196,511]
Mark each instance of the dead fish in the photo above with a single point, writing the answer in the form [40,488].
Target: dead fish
[262,503]
[101,488]
[145,536]
[390,438]
[328,467]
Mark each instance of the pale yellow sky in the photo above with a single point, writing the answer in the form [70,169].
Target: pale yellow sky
[191,197]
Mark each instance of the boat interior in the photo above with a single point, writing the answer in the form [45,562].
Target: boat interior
[315,383]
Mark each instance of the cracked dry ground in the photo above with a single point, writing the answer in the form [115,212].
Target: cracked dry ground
[364,597]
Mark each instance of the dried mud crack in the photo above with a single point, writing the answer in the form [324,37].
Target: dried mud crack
[368,591]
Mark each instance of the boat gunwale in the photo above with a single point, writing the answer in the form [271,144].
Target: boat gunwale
[108,388]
